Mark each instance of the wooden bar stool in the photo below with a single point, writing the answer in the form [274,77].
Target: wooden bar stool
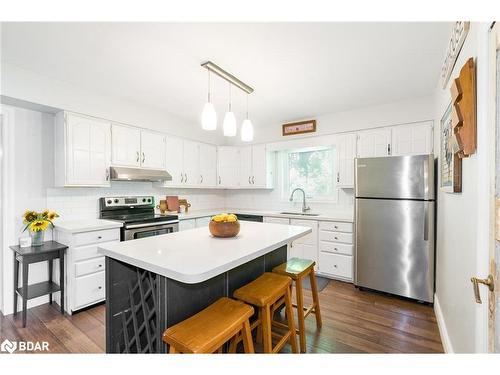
[208,330]
[298,269]
[263,293]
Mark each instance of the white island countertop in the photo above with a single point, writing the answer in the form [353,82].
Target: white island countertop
[194,256]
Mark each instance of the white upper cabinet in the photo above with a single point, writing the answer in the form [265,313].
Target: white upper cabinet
[256,167]
[373,143]
[174,160]
[133,147]
[412,139]
[126,146]
[262,167]
[208,165]
[191,164]
[228,167]
[82,150]
[246,171]
[191,167]
[346,151]
[152,150]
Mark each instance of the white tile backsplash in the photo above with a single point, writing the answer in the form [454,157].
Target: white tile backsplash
[83,203]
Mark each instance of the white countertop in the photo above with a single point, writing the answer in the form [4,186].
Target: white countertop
[346,216]
[194,256]
[77,226]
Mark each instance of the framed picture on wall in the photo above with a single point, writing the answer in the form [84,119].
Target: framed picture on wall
[451,163]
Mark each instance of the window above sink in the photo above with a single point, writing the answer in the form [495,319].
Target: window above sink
[311,169]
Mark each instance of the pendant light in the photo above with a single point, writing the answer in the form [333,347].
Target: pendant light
[247,128]
[229,124]
[209,116]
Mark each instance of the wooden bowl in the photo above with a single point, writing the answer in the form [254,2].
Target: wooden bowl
[224,229]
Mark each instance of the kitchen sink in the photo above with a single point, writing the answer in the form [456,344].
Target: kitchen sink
[298,213]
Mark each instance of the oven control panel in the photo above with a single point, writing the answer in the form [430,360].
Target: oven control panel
[129,201]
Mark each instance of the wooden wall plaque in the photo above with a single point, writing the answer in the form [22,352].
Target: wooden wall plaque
[463,93]
[299,127]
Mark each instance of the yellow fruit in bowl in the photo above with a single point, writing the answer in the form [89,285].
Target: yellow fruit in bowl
[225,218]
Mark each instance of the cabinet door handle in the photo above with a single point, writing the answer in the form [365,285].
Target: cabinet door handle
[137,156]
[107,174]
[182,178]
[338,176]
[249,180]
[388,149]
[219,180]
[201,178]
[253,180]
[185,178]
[143,157]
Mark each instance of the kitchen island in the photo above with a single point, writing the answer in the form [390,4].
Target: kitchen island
[153,283]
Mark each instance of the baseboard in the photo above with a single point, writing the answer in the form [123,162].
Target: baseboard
[443,332]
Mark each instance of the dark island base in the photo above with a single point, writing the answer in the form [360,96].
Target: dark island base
[140,304]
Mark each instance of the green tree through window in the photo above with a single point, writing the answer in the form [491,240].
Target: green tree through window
[311,170]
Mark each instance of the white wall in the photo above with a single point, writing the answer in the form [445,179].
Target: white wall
[461,223]
[21,84]
[401,112]
[28,161]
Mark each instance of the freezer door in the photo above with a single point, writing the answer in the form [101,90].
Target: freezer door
[395,247]
[398,177]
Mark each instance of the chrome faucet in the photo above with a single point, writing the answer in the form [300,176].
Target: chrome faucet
[304,206]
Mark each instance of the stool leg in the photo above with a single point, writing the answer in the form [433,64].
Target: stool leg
[233,344]
[247,338]
[172,350]
[290,320]
[300,314]
[258,336]
[314,290]
[266,329]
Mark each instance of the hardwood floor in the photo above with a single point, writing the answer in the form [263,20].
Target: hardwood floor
[353,322]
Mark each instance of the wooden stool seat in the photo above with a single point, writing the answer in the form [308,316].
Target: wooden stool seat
[264,292]
[298,269]
[208,330]
[295,268]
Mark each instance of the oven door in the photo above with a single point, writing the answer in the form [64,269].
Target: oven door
[136,231]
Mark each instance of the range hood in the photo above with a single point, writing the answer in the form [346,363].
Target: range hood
[138,174]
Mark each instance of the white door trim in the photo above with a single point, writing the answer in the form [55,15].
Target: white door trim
[443,331]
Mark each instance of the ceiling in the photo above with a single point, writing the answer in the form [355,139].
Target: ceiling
[298,70]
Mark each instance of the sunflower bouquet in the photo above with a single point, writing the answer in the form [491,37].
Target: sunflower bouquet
[37,223]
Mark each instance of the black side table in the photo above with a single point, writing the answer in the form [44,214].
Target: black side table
[49,251]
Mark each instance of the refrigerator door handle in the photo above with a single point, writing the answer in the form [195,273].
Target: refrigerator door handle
[426,180]
[426,221]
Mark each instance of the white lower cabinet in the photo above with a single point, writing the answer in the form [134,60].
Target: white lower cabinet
[336,250]
[337,266]
[307,246]
[85,267]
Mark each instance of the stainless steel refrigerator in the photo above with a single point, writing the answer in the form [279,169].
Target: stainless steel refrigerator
[394,225]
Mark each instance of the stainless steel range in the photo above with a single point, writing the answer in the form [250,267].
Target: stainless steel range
[138,217]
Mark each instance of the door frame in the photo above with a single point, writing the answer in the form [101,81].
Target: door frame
[493,52]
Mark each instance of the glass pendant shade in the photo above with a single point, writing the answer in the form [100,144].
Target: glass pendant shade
[209,117]
[229,125]
[247,131]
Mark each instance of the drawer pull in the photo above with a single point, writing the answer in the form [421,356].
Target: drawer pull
[336,227]
[335,249]
[99,265]
[101,286]
[336,238]
[335,266]
[99,237]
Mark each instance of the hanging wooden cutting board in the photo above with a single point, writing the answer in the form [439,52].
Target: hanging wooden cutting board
[463,93]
